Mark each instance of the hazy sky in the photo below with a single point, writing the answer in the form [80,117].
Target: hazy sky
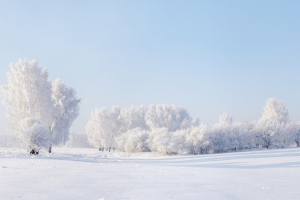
[207,56]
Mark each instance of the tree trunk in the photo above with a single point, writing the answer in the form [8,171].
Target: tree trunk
[34,152]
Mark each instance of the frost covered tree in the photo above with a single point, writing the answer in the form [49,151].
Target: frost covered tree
[197,139]
[135,140]
[271,125]
[238,137]
[170,130]
[66,110]
[102,127]
[161,141]
[275,110]
[220,134]
[164,116]
[269,133]
[292,133]
[225,119]
[28,96]
[133,117]
[218,138]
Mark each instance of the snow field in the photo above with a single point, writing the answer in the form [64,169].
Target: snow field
[89,174]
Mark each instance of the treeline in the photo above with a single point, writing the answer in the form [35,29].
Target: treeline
[170,130]
[105,126]
[41,112]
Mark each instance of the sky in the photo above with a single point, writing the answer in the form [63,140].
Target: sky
[209,57]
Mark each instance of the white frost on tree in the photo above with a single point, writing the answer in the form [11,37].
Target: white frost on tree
[225,119]
[271,125]
[103,127]
[164,116]
[133,117]
[170,130]
[193,140]
[292,133]
[134,140]
[27,95]
[66,110]
[161,141]
[275,110]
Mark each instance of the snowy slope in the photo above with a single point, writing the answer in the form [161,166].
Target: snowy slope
[88,174]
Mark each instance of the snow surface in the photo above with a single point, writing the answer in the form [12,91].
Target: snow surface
[89,174]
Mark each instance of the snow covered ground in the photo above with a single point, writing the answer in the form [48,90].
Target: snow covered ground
[88,174]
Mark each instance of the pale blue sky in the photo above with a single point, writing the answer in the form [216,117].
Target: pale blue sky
[207,56]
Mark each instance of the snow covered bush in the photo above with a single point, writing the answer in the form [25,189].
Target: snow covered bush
[134,140]
[292,133]
[238,137]
[197,139]
[179,139]
[218,138]
[34,134]
[161,141]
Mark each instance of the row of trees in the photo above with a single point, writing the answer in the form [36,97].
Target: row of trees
[106,125]
[40,111]
[171,130]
